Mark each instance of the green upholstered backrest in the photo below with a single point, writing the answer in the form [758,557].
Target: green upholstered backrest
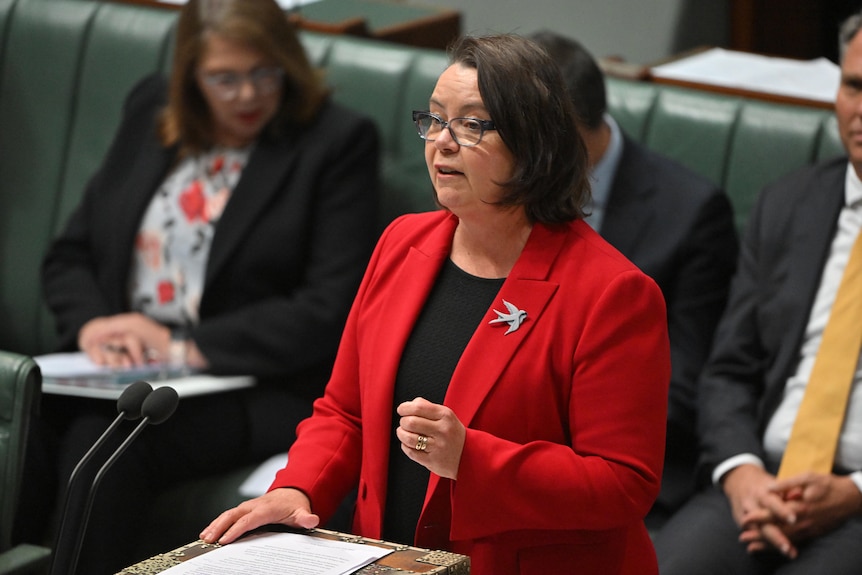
[768,141]
[5,9]
[694,129]
[20,387]
[830,144]
[740,144]
[45,42]
[124,44]
[66,69]
[387,83]
[631,104]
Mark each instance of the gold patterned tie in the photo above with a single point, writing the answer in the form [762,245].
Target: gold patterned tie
[814,438]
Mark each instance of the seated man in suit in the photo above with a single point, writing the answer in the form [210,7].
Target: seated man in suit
[674,225]
[770,510]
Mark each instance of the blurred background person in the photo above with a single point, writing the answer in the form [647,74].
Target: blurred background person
[501,386]
[761,512]
[227,229]
[677,227]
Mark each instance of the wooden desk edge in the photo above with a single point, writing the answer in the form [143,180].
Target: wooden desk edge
[404,559]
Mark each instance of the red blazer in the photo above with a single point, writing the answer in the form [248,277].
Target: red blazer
[565,416]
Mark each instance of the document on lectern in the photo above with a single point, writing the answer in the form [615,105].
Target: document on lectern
[279,553]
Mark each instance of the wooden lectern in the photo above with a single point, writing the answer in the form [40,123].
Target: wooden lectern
[404,560]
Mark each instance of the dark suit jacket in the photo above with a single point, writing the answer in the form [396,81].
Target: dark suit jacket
[757,343]
[678,228]
[286,258]
[565,416]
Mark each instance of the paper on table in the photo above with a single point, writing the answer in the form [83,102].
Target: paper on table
[74,374]
[279,553]
[809,79]
[77,364]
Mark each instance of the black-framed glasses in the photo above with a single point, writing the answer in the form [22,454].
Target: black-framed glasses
[226,85]
[465,131]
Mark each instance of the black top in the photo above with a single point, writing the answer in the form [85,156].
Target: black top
[456,306]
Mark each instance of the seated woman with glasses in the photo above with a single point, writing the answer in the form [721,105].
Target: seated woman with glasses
[500,389]
[227,230]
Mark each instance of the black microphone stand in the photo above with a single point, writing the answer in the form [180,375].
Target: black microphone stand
[129,406]
[157,407]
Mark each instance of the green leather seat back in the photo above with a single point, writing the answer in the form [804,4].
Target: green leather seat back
[409,187]
[317,47]
[20,385]
[830,144]
[695,129]
[769,141]
[124,44]
[631,103]
[371,77]
[37,97]
[5,9]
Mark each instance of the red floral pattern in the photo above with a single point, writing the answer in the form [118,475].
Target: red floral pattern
[166,291]
[192,201]
[173,242]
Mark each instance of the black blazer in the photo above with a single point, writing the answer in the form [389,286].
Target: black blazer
[287,256]
[757,343]
[677,227]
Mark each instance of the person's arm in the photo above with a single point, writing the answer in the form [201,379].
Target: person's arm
[731,386]
[83,270]
[695,301]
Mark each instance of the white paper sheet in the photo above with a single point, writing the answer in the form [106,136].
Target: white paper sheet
[280,553]
[808,79]
[74,374]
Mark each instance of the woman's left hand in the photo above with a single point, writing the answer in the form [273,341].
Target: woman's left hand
[124,340]
[431,435]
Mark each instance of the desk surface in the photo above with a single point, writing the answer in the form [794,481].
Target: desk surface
[74,374]
[412,24]
[404,559]
[185,386]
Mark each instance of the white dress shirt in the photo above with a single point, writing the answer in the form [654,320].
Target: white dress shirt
[849,453]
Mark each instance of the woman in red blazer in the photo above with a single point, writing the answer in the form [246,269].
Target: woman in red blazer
[500,388]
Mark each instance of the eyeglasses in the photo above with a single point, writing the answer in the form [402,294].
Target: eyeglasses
[226,85]
[465,131]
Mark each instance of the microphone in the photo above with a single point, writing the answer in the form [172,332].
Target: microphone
[156,408]
[129,406]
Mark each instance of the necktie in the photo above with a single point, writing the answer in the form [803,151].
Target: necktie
[814,437]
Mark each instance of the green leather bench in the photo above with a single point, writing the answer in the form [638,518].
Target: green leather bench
[740,144]
[65,66]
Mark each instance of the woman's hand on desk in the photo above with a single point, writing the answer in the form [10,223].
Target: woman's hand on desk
[286,506]
[124,340]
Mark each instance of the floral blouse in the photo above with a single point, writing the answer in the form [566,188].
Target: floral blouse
[173,244]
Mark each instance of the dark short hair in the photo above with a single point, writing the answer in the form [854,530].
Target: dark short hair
[522,89]
[259,24]
[584,79]
[849,28]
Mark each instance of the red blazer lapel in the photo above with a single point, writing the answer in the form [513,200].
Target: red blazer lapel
[490,349]
[415,277]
